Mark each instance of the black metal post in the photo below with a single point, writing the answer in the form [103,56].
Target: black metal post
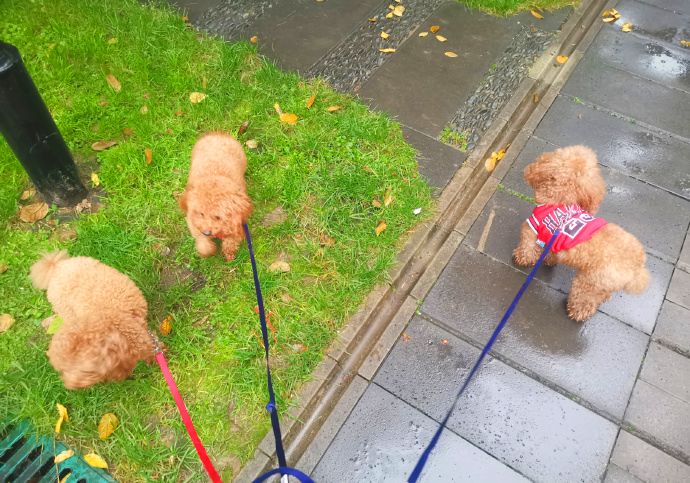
[32,134]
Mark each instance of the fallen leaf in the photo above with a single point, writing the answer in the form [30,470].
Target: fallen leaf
[128,131]
[376,203]
[288,118]
[112,41]
[389,15]
[33,212]
[384,35]
[26,194]
[6,321]
[535,98]
[95,180]
[277,108]
[63,416]
[373,19]
[253,39]
[441,38]
[450,54]
[196,97]
[610,15]
[562,59]
[388,197]
[279,266]
[144,109]
[243,128]
[113,82]
[398,10]
[179,113]
[165,327]
[444,341]
[3,268]
[65,455]
[64,478]
[536,14]
[95,461]
[148,155]
[204,82]
[252,143]
[300,348]
[416,211]
[434,28]
[325,240]
[423,34]
[185,18]
[368,169]
[627,27]
[333,108]
[107,425]
[54,324]
[103,145]
[685,43]
[496,156]
[310,101]
[381,227]
[406,337]
[387,50]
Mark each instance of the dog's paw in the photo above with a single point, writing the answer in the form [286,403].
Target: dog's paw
[523,259]
[581,312]
[205,248]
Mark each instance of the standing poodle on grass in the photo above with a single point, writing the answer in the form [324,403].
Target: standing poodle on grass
[215,199]
[568,188]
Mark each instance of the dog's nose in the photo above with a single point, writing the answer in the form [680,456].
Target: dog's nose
[206,232]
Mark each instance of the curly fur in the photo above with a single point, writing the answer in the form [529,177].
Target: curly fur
[104,332]
[215,199]
[612,260]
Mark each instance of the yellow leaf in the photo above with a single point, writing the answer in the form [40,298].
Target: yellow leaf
[388,197]
[423,34]
[334,108]
[376,203]
[112,41]
[144,109]
[610,15]
[562,59]
[107,425]
[63,416]
[450,54]
[380,228]
[279,266]
[165,326]
[252,143]
[26,194]
[389,15]
[185,18]
[373,19]
[103,145]
[33,212]
[490,164]
[253,39]
[113,82]
[384,35]
[536,14]
[500,154]
[685,43]
[6,321]
[95,180]
[95,461]
[276,106]
[398,10]
[627,27]
[310,101]
[387,51]
[441,38]
[434,28]
[196,97]
[65,455]
[609,19]
[148,155]
[288,118]
[64,478]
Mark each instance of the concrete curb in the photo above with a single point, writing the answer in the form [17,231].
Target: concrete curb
[360,348]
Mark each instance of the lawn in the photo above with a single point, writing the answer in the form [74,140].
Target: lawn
[323,181]
[510,7]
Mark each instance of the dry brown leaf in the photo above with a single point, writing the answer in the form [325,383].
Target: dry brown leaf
[112,41]
[444,341]
[381,227]
[562,59]
[113,82]
[279,266]
[128,131]
[536,14]
[388,197]
[325,240]
[252,143]
[103,145]
[243,128]
[387,51]
[627,27]
[65,455]
[300,348]
[685,43]
[253,39]
[376,203]
[398,10]
[144,109]
[384,35]
[33,212]
[450,54]
[441,38]
[62,417]
[95,461]
[288,118]
[334,108]
[434,28]
[179,113]
[196,97]
[185,18]
[310,101]
[26,194]
[148,155]
[6,321]
[107,425]
[423,34]
[165,327]
[3,267]
[406,337]
[535,98]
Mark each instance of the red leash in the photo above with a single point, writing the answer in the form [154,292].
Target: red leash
[186,419]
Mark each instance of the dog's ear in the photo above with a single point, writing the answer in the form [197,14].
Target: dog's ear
[182,201]
[539,171]
[590,186]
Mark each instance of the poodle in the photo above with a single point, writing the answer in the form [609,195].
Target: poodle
[568,188]
[215,199]
[103,332]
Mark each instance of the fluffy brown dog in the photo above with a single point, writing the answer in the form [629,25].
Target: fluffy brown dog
[215,199]
[606,257]
[104,333]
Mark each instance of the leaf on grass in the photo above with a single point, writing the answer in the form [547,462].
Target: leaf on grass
[107,425]
[423,34]
[279,266]
[33,212]
[243,128]
[196,97]
[62,416]
[148,155]
[384,35]
[253,39]
[562,59]
[26,194]
[6,321]
[381,227]
[65,455]
[685,43]
[416,211]
[113,82]
[299,348]
[288,118]
[325,240]
[95,461]
[310,101]
[103,145]
[112,41]
[398,10]
[536,14]
[434,28]
[144,109]
[252,143]
[95,180]
[165,327]
[627,27]
[128,131]
[277,108]
[334,108]
[388,197]
[376,203]
[3,267]
[387,50]
[450,54]
[441,38]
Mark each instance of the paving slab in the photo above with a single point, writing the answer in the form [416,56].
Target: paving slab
[662,416]
[644,100]
[673,327]
[666,23]
[679,290]
[615,474]
[667,370]
[684,259]
[437,161]
[645,462]
[474,291]
[383,438]
[535,430]
[680,6]
[509,212]
[654,157]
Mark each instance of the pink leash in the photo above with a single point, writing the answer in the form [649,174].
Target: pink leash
[186,419]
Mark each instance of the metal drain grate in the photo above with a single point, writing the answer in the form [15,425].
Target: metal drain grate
[25,457]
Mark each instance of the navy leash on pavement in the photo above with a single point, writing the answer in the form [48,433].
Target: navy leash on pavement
[283,469]
[416,473]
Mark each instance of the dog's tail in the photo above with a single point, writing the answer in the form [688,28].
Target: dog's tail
[42,271]
[639,282]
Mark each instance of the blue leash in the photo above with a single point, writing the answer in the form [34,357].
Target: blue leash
[283,468]
[416,473]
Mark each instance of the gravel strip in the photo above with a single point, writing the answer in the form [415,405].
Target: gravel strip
[229,19]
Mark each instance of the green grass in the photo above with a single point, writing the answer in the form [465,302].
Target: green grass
[324,172]
[511,7]
[454,138]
